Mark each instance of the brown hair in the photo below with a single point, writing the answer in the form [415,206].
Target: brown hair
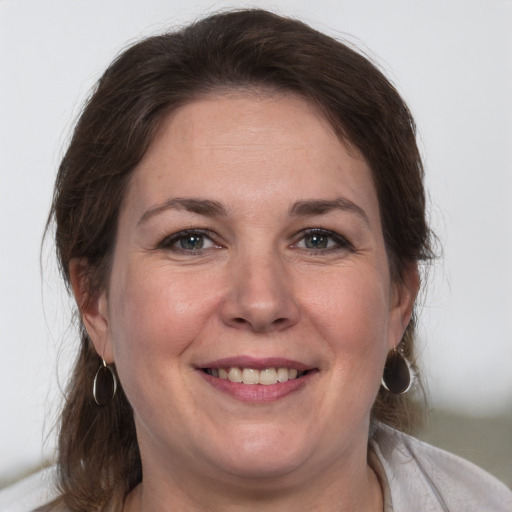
[99,461]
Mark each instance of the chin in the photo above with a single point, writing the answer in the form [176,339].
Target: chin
[264,453]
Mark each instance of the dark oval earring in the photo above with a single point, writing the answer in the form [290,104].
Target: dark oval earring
[105,385]
[398,376]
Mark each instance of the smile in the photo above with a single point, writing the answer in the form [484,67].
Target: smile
[257,379]
[251,376]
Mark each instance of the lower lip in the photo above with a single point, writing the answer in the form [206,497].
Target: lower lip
[257,393]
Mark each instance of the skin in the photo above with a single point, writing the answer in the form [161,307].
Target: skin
[261,287]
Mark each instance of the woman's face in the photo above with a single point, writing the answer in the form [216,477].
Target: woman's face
[249,248]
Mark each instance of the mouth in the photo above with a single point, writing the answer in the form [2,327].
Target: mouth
[257,380]
[254,376]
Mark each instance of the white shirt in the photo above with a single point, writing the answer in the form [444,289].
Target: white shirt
[418,477]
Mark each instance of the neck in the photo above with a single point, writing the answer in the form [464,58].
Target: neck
[329,491]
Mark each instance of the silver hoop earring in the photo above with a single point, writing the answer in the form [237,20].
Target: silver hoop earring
[398,376]
[104,386]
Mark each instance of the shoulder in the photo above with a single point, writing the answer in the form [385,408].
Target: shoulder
[419,473]
[31,493]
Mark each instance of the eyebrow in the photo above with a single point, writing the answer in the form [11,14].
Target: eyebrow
[212,208]
[320,206]
[205,207]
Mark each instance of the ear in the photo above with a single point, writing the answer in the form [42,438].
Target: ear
[404,294]
[93,308]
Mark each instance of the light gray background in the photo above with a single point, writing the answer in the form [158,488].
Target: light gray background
[451,60]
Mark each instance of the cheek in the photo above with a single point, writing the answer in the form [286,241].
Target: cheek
[351,310]
[350,299]
[155,312]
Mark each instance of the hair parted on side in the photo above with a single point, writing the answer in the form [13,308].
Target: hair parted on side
[99,460]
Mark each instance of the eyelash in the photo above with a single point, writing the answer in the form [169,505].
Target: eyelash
[340,243]
[169,242]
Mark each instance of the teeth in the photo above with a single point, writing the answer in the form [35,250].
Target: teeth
[249,376]
[282,375]
[265,377]
[268,376]
[235,375]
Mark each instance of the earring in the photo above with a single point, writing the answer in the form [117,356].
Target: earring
[105,385]
[398,376]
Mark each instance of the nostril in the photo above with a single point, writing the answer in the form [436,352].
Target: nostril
[262,325]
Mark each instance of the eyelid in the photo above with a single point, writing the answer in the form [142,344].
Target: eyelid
[168,242]
[342,243]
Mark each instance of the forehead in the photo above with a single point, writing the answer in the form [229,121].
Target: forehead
[245,147]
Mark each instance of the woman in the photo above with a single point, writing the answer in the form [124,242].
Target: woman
[240,215]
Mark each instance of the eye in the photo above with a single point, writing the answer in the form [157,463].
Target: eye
[316,241]
[322,240]
[189,241]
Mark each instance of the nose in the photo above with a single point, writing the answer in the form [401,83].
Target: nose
[260,295]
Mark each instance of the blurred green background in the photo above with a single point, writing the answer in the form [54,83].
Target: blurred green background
[486,441]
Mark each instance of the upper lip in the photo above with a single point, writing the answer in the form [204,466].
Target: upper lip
[257,363]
